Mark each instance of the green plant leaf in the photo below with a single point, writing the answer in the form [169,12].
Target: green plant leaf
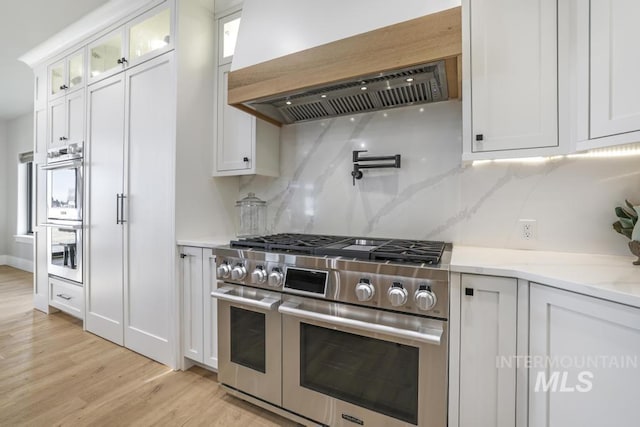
[617,226]
[627,223]
[623,213]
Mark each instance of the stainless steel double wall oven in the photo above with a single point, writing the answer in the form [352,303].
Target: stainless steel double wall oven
[64,211]
[336,340]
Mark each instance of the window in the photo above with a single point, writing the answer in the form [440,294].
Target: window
[26,211]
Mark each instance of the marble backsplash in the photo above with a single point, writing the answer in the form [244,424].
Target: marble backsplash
[433,195]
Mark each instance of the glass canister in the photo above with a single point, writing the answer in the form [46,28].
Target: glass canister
[253,216]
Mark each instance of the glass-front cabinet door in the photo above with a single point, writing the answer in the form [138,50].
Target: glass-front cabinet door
[66,75]
[75,69]
[151,35]
[56,79]
[228,27]
[105,56]
[146,37]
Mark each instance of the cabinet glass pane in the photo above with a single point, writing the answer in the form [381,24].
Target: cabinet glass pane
[76,70]
[229,37]
[105,56]
[149,35]
[57,78]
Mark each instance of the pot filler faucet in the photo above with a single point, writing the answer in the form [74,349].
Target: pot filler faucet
[357,158]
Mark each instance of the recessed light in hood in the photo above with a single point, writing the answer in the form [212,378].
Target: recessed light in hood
[412,62]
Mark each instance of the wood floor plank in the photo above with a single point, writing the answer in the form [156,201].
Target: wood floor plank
[52,373]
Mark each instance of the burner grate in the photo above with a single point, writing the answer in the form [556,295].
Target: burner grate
[411,251]
[399,251]
[302,243]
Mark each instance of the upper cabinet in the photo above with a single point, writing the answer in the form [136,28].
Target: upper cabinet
[510,56]
[607,66]
[67,75]
[66,100]
[244,145]
[145,37]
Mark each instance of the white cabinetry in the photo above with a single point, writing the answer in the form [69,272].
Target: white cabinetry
[510,60]
[66,296]
[147,36]
[592,349]
[66,100]
[210,313]
[243,145]
[130,293]
[192,303]
[66,119]
[199,309]
[607,65]
[488,319]
[67,75]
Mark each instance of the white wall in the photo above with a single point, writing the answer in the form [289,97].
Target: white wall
[434,196]
[204,206]
[19,140]
[4,182]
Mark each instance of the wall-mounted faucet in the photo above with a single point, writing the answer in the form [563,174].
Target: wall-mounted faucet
[357,158]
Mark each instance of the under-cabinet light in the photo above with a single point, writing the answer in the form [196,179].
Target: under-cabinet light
[598,153]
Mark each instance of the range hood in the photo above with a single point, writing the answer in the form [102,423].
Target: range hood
[411,62]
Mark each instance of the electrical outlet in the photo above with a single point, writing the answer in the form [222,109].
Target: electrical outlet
[528,229]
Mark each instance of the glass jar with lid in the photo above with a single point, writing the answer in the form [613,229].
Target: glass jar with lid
[253,219]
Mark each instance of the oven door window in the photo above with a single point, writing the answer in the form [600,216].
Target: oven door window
[64,244]
[64,188]
[248,337]
[378,375]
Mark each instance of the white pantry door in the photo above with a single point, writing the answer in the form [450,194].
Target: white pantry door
[104,303]
[150,249]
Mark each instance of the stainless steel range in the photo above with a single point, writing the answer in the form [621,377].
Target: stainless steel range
[334,330]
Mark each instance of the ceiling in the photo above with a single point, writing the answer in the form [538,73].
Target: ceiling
[24,25]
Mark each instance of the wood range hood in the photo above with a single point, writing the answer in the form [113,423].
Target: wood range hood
[412,62]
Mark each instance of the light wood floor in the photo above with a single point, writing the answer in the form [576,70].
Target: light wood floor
[53,373]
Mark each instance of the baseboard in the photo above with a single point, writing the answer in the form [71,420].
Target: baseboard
[15,262]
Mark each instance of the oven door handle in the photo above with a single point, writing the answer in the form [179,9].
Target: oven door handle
[67,164]
[432,336]
[62,226]
[225,294]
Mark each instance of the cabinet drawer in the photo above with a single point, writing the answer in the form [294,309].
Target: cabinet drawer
[66,297]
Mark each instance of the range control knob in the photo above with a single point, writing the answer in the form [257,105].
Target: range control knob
[397,295]
[275,278]
[238,272]
[224,271]
[365,290]
[425,299]
[259,275]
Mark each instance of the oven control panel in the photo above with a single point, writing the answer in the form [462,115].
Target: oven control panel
[416,291]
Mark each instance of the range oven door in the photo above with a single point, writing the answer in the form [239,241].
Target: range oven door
[350,366]
[64,250]
[249,341]
[64,190]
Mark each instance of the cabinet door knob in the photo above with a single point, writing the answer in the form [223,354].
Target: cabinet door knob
[122,60]
[245,159]
[479,137]
[468,291]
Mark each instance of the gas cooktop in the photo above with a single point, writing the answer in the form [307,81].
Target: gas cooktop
[374,249]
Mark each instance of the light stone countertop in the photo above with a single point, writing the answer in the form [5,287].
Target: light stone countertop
[612,278]
[202,242]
